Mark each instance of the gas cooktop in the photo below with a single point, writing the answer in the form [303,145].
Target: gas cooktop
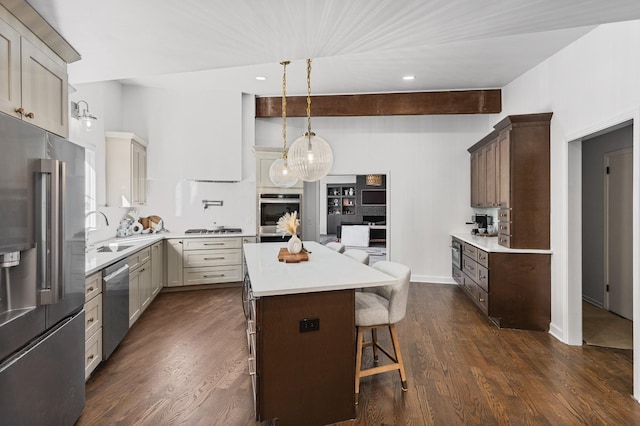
[214,231]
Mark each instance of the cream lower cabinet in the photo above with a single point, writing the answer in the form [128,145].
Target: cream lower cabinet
[157,268]
[173,270]
[212,260]
[139,283]
[93,323]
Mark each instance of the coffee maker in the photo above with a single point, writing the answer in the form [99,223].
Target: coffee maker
[482,222]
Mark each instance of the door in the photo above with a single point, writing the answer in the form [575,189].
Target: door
[72,242]
[618,235]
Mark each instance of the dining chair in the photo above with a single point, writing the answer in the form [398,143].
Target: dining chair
[378,307]
[336,246]
[357,255]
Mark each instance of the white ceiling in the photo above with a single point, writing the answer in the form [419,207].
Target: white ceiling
[358,46]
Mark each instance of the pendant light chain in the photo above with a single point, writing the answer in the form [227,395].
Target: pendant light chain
[309,98]
[284,108]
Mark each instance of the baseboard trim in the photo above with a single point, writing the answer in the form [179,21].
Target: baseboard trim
[556,332]
[432,279]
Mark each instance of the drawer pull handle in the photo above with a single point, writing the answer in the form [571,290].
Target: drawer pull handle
[482,277]
[90,320]
[214,258]
[214,276]
[90,357]
[89,290]
[213,244]
[481,300]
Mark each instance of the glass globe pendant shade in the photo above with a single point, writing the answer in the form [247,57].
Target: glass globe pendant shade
[310,157]
[280,174]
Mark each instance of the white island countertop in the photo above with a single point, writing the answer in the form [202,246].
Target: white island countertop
[326,270]
[490,244]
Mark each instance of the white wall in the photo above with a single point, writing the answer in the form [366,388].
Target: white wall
[590,85]
[105,102]
[427,166]
[184,129]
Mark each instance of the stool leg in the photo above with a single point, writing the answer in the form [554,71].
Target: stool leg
[360,338]
[396,348]
[374,339]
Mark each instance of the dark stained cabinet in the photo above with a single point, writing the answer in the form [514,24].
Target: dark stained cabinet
[513,173]
[512,289]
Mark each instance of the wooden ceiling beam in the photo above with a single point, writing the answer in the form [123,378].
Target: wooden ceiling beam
[486,101]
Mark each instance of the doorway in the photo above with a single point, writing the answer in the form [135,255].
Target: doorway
[355,204]
[607,267]
[618,223]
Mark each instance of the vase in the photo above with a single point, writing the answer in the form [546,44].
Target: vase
[294,245]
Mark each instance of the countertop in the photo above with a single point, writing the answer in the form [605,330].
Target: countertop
[325,270]
[95,261]
[490,244]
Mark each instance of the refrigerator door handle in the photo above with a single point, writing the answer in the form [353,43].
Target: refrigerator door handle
[53,230]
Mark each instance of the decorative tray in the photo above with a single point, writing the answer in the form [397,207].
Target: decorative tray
[286,257]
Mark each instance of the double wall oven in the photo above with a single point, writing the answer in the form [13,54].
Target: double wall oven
[271,207]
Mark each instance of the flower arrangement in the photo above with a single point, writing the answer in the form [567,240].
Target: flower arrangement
[288,224]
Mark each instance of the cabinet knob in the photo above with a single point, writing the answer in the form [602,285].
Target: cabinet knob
[20,111]
[89,290]
[90,320]
[30,115]
[481,300]
[90,357]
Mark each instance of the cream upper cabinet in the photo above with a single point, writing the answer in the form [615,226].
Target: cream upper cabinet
[265,156]
[34,83]
[10,95]
[126,170]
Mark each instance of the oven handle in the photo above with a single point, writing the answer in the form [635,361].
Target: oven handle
[278,201]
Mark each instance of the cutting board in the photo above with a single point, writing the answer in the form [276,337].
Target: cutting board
[286,257]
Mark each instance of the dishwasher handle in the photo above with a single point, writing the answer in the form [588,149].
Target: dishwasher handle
[121,271]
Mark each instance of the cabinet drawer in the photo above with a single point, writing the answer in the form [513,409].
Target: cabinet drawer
[137,259]
[504,228]
[470,267]
[92,352]
[93,286]
[483,300]
[470,251]
[212,275]
[483,277]
[504,240]
[504,215]
[470,287]
[211,243]
[92,316]
[197,258]
[456,274]
[483,258]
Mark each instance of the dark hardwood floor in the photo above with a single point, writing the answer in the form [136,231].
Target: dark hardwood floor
[185,362]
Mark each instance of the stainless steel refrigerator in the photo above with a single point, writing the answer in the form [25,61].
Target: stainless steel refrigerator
[41,276]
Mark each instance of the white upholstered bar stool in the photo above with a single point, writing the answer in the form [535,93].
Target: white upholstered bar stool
[357,255]
[382,307]
[333,245]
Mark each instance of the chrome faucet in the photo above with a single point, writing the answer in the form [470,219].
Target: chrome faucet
[106,221]
[86,232]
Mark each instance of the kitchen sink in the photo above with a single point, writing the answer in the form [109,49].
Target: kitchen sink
[112,248]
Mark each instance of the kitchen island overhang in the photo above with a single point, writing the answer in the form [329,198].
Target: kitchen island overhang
[301,332]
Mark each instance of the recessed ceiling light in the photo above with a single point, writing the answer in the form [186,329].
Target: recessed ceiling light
[260,78]
[409,77]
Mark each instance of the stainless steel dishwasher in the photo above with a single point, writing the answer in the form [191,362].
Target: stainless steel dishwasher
[115,306]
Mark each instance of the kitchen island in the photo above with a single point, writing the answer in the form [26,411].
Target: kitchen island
[301,332]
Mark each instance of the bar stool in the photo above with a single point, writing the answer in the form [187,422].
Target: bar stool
[335,246]
[382,307]
[357,255]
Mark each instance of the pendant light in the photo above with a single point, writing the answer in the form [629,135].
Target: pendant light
[279,172]
[310,156]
